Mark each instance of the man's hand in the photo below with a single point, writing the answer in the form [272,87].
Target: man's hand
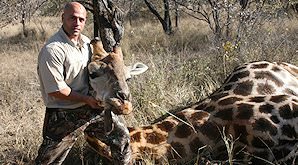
[68,94]
[92,102]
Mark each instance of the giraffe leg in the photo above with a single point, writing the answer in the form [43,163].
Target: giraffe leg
[116,136]
[120,139]
[100,147]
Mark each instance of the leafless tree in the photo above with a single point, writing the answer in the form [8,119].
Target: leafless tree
[230,19]
[166,19]
[14,11]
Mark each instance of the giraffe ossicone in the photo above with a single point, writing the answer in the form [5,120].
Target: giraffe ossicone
[257,105]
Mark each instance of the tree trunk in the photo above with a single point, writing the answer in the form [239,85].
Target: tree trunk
[176,15]
[166,21]
[110,24]
[23,18]
[95,17]
[167,18]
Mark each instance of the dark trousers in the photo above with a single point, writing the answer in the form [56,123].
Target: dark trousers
[63,126]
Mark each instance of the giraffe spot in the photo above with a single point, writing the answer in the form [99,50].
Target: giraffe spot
[209,108]
[259,66]
[201,106]
[264,125]
[244,88]
[278,98]
[245,111]
[285,112]
[210,130]
[199,115]
[165,126]
[147,127]
[262,143]
[274,119]
[179,150]
[136,137]
[265,88]
[218,96]
[289,131]
[131,129]
[181,116]
[195,144]
[183,131]
[276,69]
[266,108]
[225,114]
[257,99]
[228,87]
[229,100]
[268,76]
[155,138]
[237,76]
[241,133]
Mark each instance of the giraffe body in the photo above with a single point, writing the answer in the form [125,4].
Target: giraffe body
[257,105]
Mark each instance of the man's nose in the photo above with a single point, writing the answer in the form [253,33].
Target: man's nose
[77,21]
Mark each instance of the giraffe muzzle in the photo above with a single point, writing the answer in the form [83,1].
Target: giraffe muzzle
[120,106]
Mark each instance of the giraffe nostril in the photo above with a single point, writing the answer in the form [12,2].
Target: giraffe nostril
[122,96]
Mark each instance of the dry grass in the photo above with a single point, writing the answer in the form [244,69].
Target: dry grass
[184,68]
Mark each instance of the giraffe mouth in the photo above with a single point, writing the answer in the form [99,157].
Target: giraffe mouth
[120,107]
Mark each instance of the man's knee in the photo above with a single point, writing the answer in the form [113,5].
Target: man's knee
[52,151]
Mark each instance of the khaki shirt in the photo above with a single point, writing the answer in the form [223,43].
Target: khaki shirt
[61,63]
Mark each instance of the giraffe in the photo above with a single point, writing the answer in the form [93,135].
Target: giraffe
[257,105]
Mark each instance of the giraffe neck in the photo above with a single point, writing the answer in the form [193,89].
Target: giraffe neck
[250,120]
[157,140]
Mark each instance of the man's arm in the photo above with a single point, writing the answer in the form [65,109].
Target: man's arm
[68,94]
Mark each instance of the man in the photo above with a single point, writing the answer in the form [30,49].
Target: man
[62,70]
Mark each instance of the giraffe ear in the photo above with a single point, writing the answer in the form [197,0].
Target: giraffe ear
[137,68]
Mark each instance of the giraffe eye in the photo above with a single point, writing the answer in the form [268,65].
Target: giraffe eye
[94,75]
[97,69]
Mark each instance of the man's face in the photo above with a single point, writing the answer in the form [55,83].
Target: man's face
[74,20]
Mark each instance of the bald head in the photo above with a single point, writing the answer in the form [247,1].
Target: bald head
[74,19]
[74,6]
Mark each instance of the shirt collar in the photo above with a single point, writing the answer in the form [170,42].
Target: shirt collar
[64,35]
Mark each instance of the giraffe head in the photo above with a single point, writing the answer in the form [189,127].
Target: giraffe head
[108,76]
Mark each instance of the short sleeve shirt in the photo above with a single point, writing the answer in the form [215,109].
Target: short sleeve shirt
[62,64]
